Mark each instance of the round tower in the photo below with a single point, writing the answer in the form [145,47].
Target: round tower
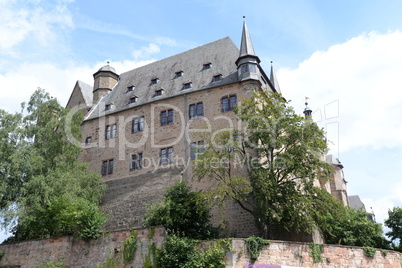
[104,81]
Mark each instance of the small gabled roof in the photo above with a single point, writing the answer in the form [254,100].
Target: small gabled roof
[86,91]
[83,91]
[356,203]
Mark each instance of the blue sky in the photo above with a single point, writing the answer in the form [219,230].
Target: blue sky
[345,56]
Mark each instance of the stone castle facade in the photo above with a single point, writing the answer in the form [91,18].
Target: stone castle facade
[141,126]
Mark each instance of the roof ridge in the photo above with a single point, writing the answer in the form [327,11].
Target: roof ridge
[184,52]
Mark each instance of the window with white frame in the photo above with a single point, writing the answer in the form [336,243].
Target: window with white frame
[110,131]
[167,117]
[166,155]
[196,149]
[138,124]
[136,161]
[228,103]
[107,167]
[196,110]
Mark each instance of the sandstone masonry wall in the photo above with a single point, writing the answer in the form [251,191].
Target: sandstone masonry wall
[74,252]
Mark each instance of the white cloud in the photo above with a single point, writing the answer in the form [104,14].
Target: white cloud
[363,75]
[19,84]
[21,20]
[146,51]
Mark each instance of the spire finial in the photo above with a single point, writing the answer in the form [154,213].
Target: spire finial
[307,111]
[107,62]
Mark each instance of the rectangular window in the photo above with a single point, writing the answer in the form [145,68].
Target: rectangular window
[187,86]
[138,125]
[228,103]
[166,155]
[136,161]
[108,107]
[130,88]
[154,81]
[197,149]
[216,78]
[132,100]
[88,140]
[196,110]
[178,74]
[110,131]
[244,68]
[166,117]
[107,167]
[158,92]
[206,66]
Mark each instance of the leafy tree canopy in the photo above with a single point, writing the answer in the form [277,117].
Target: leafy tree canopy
[183,213]
[346,226]
[283,155]
[44,189]
[394,222]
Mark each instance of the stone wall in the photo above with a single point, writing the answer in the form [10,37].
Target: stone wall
[281,254]
[75,252]
[107,251]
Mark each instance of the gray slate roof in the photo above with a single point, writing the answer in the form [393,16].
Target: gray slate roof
[86,91]
[356,203]
[222,54]
[246,47]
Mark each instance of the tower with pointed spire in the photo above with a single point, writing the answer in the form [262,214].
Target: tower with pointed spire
[273,79]
[247,62]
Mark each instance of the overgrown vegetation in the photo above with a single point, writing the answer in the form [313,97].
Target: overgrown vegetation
[130,247]
[369,251]
[183,252]
[44,189]
[345,226]
[254,246]
[394,223]
[183,213]
[283,155]
[316,251]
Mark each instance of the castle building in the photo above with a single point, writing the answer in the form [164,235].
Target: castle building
[141,126]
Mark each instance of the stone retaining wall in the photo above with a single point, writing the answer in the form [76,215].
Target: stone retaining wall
[107,251]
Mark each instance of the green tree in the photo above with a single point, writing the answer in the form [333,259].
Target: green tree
[182,212]
[346,226]
[44,189]
[394,222]
[283,155]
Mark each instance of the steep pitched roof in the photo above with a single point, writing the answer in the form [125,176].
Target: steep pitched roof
[274,80]
[246,47]
[86,91]
[83,91]
[356,203]
[221,55]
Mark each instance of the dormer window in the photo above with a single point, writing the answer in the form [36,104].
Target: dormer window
[133,100]
[108,106]
[158,92]
[178,74]
[130,88]
[187,85]
[154,81]
[206,66]
[216,78]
